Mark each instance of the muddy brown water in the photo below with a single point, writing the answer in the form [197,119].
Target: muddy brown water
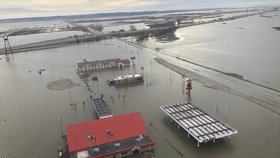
[247,47]
[61,84]
[29,112]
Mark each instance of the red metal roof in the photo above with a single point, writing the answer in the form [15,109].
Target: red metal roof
[122,127]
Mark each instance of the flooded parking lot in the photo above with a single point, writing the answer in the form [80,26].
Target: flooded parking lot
[29,111]
[32,102]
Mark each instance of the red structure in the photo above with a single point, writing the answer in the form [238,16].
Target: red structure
[119,135]
[189,85]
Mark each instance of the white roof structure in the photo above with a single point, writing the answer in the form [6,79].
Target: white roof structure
[126,77]
[83,154]
[197,123]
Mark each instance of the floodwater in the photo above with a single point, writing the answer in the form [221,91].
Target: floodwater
[247,46]
[110,26]
[29,111]
[126,27]
[32,38]
[33,24]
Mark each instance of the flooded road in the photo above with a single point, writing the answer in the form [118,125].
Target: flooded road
[29,112]
[29,109]
[248,47]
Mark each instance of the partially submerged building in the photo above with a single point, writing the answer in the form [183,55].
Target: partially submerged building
[102,64]
[116,136]
[126,79]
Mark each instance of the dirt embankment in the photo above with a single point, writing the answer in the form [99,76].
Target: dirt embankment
[267,103]
[229,74]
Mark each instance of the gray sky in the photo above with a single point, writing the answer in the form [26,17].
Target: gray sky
[35,8]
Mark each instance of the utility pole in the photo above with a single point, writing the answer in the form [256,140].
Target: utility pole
[61,129]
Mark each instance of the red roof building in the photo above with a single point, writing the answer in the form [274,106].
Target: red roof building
[108,136]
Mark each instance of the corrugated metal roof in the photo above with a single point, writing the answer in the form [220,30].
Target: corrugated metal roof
[198,123]
[101,108]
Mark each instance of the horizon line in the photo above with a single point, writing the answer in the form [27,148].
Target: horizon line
[146,11]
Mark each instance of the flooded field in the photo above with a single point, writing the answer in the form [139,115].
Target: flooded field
[25,39]
[29,124]
[52,25]
[116,26]
[32,103]
[248,47]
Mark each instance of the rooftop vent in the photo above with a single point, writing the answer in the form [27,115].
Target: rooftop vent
[96,150]
[109,132]
[117,145]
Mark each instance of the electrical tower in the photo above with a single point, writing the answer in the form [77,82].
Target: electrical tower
[7,47]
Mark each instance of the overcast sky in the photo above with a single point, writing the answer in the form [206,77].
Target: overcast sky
[35,8]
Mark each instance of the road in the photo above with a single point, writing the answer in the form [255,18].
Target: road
[93,36]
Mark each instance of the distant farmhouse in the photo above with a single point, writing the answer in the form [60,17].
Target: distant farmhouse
[102,64]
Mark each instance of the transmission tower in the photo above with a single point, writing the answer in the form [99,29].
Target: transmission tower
[7,47]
